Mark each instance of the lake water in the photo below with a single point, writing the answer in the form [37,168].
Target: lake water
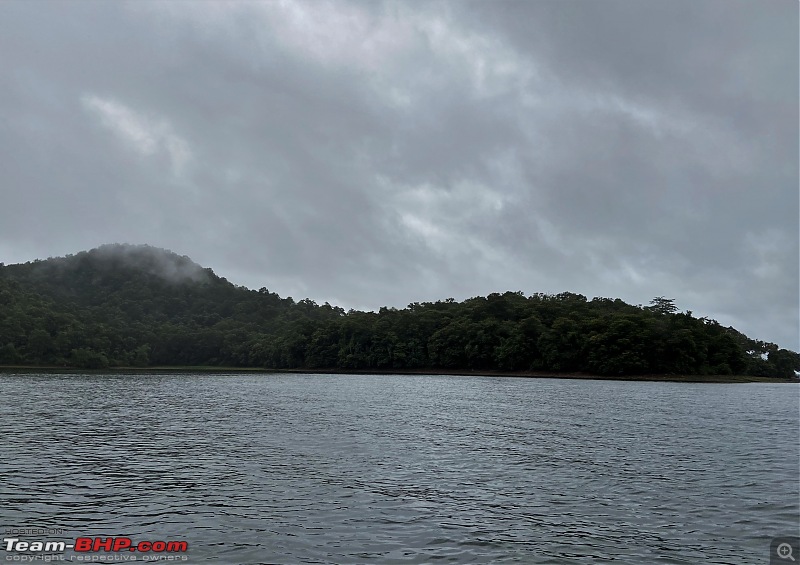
[264,468]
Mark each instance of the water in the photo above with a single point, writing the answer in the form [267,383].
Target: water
[252,468]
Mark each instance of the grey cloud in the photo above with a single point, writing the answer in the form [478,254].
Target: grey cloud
[369,154]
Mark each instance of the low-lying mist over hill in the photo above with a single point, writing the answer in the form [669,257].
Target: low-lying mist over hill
[151,260]
[144,259]
[129,305]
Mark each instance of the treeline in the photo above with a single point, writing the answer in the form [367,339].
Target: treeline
[140,306]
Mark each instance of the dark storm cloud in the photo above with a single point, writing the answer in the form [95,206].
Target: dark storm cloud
[380,153]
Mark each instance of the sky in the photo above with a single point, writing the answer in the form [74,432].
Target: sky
[375,154]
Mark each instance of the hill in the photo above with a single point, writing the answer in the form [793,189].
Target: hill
[124,305]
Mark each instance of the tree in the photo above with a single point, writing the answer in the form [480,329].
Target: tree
[141,356]
[561,346]
[99,308]
[40,345]
[8,354]
[663,305]
[784,363]
[88,359]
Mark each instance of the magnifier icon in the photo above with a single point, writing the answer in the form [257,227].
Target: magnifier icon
[785,551]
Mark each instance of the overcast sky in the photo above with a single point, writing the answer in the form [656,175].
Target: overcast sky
[371,154]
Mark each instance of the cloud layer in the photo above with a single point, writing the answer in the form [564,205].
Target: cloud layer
[375,154]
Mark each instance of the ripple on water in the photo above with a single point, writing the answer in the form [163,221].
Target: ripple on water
[400,469]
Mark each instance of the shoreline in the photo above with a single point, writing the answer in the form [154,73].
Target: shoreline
[717,379]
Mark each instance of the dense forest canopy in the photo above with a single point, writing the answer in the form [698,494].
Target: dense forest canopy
[123,305]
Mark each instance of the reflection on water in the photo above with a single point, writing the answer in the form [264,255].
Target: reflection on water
[404,469]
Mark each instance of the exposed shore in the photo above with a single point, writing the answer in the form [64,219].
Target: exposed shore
[723,379]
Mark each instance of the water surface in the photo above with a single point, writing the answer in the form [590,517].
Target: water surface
[257,468]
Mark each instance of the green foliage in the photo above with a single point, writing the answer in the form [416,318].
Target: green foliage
[141,356]
[88,359]
[140,306]
[784,363]
[663,305]
[9,355]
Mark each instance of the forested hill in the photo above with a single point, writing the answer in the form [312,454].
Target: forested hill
[122,305]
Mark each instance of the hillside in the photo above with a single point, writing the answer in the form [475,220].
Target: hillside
[123,305]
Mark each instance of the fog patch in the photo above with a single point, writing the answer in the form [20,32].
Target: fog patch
[154,261]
